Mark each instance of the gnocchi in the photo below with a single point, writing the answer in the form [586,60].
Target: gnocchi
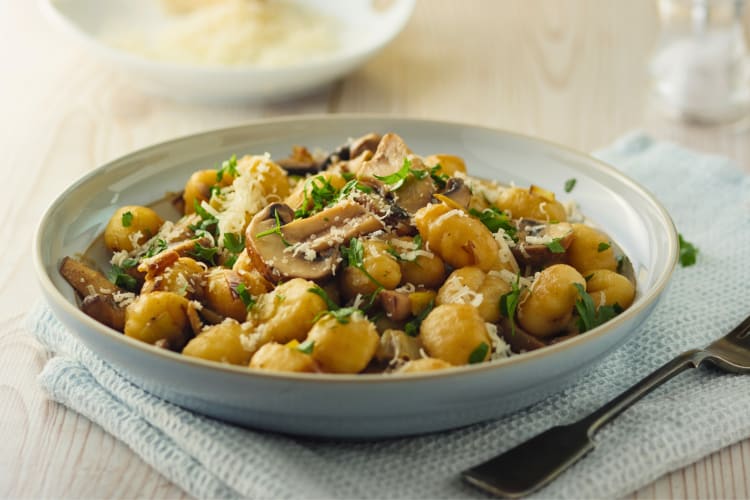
[370,260]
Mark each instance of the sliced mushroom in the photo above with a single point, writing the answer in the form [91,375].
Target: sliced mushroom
[388,159]
[395,346]
[458,191]
[300,162]
[541,244]
[396,305]
[281,247]
[104,309]
[517,339]
[368,142]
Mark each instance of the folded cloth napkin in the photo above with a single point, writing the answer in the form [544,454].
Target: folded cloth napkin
[695,414]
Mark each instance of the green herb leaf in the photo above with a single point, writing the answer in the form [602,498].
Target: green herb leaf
[214,191]
[354,254]
[509,303]
[495,220]
[156,247]
[479,353]
[121,278]
[321,194]
[589,316]
[351,186]
[306,346]
[275,230]
[127,219]
[230,261]
[439,178]
[412,327]
[233,242]
[228,167]
[207,254]
[555,246]
[688,252]
[129,263]
[244,295]
[397,179]
[602,247]
[569,185]
[208,222]
[330,304]
[418,241]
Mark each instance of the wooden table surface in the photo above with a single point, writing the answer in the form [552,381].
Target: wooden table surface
[572,71]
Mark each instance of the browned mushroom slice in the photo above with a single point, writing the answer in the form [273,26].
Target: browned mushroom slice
[541,244]
[368,142]
[300,162]
[388,159]
[396,305]
[458,192]
[97,293]
[395,345]
[281,247]
[517,339]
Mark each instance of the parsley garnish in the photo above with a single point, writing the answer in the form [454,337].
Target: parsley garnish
[352,185]
[127,219]
[440,179]
[322,193]
[306,346]
[275,230]
[244,295]
[509,303]
[208,222]
[602,247]
[228,167]
[397,179]
[418,241]
[355,257]
[340,314]
[119,277]
[207,254]
[569,185]
[412,327]
[478,354]
[234,242]
[588,315]
[688,252]
[129,263]
[495,220]
[156,247]
[555,246]
[230,261]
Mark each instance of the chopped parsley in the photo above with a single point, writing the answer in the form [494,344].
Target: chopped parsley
[127,219]
[129,263]
[509,304]
[228,167]
[244,295]
[412,327]
[207,254]
[208,222]
[555,246]
[230,261]
[121,278]
[479,353]
[589,316]
[439,178]
[156,247]
[275,230]
[306,346]
[234,242]
[354,254]
[570,184]
[321,194]
[602,247]
[351,186]
[397,179]
[341,314]
[688,252]
[495,220]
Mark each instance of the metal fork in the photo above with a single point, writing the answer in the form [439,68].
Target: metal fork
[534,463]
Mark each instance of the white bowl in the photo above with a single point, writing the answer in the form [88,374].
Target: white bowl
[358,405]
[366,27]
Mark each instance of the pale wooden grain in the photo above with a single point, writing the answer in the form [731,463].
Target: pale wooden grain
[571,71]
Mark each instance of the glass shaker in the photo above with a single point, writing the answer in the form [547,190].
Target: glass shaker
[700,69]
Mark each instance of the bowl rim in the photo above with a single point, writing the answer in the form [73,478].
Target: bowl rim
[65,24]
[641,304]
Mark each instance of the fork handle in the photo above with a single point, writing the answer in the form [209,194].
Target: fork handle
[534,463]
[596,420]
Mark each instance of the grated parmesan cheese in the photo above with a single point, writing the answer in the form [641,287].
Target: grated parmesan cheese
[455,292]
[500,348]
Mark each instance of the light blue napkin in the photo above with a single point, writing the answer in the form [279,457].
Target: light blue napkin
[697,413]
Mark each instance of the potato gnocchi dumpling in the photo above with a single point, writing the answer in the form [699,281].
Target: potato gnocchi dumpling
[369,259]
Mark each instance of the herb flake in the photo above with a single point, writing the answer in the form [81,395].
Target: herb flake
[555,246]
[589,316]
[127,219]
[603,247]
[688,252]
[306,346]
[509,303]
[244,295]
[412,327]
[479,353]
[570,184]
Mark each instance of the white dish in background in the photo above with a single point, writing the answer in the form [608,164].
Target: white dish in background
[366,26]
[371,405]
